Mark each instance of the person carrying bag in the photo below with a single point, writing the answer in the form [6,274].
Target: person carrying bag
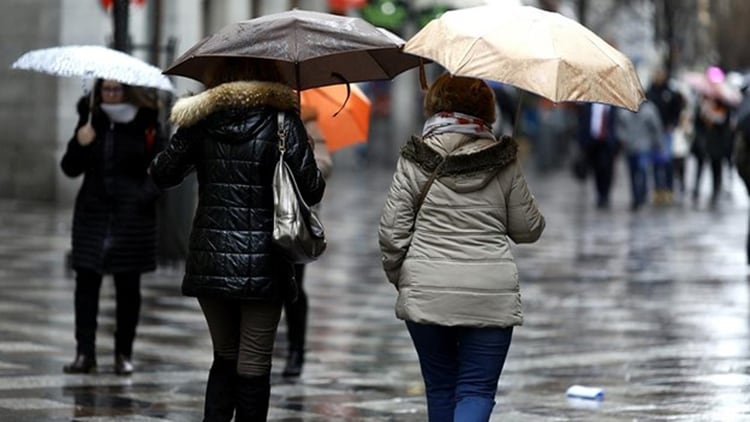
[298,233]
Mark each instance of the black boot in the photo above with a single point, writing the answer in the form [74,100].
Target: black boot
[220,391]
[253,395]
[296,323]
[123,364]
[295,358]
[82,364]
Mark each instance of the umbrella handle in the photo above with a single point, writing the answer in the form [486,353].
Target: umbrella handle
[91,104]
[422,75]
[348,91]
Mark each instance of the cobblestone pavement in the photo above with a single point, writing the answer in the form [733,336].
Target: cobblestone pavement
[650,306]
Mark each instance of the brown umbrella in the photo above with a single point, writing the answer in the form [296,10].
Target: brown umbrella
[312,49]
[538,51]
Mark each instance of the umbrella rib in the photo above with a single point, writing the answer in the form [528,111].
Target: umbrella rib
[377,62]
[463,60]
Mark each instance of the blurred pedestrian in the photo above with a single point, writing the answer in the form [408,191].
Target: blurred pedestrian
[228,134]
[598,143]
[296,309]
[446,247]
[712,129]
[641,136]
[114,220]
[682,138]
[670,103]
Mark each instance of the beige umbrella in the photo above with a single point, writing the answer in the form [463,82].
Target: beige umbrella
[538,51]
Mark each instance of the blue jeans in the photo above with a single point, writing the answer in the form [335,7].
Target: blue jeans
[638,166]
[460,367]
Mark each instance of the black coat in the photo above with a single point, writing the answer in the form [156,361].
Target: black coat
[228,135]
[114,221]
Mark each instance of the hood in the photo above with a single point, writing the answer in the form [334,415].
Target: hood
[230,97]
[467,169]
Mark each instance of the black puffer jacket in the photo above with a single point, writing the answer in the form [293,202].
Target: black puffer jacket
[228,135]
[114,221]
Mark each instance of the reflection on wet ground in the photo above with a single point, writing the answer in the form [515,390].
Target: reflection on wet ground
[650,306]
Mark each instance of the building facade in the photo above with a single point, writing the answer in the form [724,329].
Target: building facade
[37,111]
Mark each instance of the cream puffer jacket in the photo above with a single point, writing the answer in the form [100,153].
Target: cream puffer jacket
[456,267]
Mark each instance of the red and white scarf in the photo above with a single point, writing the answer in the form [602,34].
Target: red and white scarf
[454,122]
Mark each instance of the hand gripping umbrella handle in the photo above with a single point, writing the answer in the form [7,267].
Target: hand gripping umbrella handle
[91,104]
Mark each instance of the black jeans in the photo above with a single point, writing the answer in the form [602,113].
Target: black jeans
[601,158]
[128,308]
[716,169]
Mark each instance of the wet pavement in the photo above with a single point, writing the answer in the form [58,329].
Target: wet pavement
[650,306]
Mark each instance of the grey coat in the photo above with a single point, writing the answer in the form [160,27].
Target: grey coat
[640,132]
[456,267]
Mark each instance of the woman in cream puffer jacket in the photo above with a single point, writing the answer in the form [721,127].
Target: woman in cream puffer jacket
[451,260]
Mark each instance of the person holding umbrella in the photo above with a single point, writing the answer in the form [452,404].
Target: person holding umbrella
[114,220]
[229,135]
[457,201]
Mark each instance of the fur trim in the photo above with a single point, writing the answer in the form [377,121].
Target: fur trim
[189,110]
[493,158]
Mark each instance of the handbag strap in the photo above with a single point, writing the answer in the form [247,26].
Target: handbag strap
[435,173]
[281,132]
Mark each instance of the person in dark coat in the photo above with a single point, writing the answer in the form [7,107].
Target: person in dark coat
[713,133]
[228,134]
[114,221]
[598,143]
[741,152]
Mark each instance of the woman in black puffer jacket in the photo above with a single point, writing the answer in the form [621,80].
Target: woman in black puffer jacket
[228,135]
[114,221]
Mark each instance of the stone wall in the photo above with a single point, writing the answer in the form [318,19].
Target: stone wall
[28,102]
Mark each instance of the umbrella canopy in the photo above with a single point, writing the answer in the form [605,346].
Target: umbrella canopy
[712,87]
[341,126]
[312,49]
[538,51]
[93,61]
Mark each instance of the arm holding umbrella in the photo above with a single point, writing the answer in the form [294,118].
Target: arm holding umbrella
[76,157]
[323,159]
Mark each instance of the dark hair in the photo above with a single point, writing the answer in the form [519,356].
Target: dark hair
[232,69]
[465,95]
[138,96]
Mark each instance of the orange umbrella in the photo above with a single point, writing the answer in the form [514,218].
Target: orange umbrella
[341,127]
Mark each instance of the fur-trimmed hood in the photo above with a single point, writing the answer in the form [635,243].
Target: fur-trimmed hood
[470,167]
[188,111]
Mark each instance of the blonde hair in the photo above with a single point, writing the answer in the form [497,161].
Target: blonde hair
[465,95]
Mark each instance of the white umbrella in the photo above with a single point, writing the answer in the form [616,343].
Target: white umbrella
[538,51]
[93,61]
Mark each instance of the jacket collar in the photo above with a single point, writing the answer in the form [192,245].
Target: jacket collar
[245,94]
[492,157]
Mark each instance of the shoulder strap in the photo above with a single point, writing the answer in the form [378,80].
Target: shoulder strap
[435,173]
